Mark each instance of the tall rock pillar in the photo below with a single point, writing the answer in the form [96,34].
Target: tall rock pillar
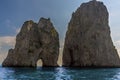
[88,42]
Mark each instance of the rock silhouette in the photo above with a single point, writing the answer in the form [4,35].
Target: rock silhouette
[88,42]
[34,42]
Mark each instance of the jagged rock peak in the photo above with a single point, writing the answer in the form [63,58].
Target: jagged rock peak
[34,42]
[28,25]
[88,42]
[43,22]
[47,26]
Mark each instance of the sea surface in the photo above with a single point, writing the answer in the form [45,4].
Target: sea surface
[59,73]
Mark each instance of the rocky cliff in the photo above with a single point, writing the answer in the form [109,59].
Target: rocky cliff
[88,42]
[34,42]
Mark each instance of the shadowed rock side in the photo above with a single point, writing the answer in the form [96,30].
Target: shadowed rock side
[88,42]
[34,42]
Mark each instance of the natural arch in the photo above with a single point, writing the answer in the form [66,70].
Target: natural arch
[39,62]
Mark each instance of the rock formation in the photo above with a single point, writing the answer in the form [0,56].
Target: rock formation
[88,42]
[34,42]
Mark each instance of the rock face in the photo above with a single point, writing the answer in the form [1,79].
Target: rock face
[34,42]
[88,42]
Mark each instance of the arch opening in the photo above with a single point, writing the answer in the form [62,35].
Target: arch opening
[39,63]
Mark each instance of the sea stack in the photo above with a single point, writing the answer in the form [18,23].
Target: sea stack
[34,42]
[88,42]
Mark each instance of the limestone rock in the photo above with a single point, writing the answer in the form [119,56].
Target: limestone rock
[34,42]
[88,42]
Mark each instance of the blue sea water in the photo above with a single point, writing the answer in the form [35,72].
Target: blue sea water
[59,73]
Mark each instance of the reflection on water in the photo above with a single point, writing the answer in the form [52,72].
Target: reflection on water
[59,73]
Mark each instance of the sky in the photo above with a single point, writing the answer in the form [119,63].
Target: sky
[13,13]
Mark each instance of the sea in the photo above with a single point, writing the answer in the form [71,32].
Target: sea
[59,73]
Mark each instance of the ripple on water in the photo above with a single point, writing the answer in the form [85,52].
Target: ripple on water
[59,73]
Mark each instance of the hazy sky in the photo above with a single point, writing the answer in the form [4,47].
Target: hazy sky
[13,13]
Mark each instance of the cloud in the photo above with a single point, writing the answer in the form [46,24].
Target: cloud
[10,40]
[117,45]
[2,57]
[6,42]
